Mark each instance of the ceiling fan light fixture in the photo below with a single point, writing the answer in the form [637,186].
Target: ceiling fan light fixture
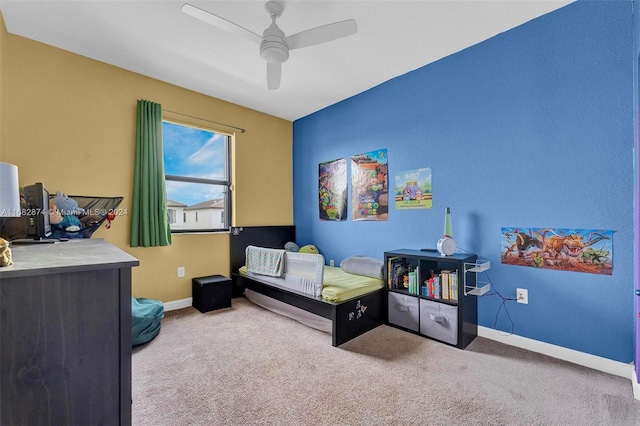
[274,45]
[274,51]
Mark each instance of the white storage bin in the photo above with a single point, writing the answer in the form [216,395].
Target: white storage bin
[439,321]
[403,311]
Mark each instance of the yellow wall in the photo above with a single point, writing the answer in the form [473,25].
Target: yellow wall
[3,37]
[69,122]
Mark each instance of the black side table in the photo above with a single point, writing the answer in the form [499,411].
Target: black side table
[211,293]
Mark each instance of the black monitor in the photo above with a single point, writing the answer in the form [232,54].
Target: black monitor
[36,199]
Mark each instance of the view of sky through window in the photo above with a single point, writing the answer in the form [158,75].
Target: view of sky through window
[193,152]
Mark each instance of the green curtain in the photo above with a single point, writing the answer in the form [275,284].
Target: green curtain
[149,219]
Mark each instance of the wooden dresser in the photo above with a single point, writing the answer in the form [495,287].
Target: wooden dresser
[65,334]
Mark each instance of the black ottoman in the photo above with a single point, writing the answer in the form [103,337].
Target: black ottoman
[211,293]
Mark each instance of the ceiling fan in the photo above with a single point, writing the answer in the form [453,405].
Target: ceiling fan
[274,45]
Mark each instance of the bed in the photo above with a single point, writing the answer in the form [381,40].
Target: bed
[324,301]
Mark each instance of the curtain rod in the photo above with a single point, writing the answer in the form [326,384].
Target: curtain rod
[209,121]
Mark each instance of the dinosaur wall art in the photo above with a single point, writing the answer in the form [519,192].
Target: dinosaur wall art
[577,250]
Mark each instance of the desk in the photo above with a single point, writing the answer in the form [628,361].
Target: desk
[65,334]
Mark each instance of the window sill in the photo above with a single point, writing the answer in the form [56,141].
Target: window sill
[225,231]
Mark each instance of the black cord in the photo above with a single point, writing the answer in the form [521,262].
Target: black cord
[502,304]
[463,250]
[496,293]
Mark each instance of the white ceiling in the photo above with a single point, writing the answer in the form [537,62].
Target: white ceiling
[156,39]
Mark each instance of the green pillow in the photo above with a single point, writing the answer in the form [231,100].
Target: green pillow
[309,248]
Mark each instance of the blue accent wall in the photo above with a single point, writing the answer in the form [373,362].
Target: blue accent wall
[531,128]
[636,182]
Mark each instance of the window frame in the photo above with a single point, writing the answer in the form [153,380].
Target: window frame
[226,184]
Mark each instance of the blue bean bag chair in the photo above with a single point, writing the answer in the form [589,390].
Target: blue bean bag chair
[146,315]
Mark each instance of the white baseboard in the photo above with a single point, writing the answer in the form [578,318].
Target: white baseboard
[178,304]
[636,386]
[592,361]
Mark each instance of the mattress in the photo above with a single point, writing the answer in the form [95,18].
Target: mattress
[339,286]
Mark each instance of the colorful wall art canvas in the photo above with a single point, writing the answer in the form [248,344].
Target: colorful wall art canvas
[577,250]
[369,186]
[332,190]
[413,189]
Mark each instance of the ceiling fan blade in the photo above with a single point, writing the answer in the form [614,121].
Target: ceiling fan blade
[219,22]
[273,75]
[322,34]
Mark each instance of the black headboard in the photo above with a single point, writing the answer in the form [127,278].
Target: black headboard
[263,236]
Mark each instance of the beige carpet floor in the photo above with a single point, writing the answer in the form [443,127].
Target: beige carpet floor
[247,366]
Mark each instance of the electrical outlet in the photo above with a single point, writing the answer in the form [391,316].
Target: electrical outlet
[180,271]
[522,295]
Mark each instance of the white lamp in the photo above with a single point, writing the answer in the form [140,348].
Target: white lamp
[9,191]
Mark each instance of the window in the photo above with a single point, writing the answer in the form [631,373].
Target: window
[172,215]
[196,163]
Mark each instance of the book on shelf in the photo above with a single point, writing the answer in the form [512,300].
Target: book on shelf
[454,287]
[390,266]
[396,269]
[437,293]
[424,290]
[413,282]
[445,276]
[398,275]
